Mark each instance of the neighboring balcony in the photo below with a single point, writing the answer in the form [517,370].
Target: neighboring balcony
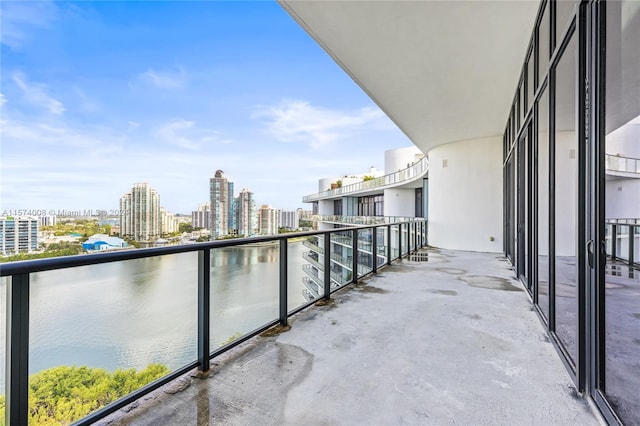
[401,177]
[622,166]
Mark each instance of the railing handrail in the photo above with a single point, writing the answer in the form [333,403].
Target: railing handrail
[414,171]
[18,300]
[51,263]
[610,159]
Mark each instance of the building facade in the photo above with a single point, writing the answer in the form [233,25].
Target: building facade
[200,217]
[140,213]
[399,191]
[168,222]
[288,219]
[268,220]
[18,234]
[246,215]
[221,204]
[396,194]
[528,114]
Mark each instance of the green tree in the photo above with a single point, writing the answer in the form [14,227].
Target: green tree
[62,395]
[185,227]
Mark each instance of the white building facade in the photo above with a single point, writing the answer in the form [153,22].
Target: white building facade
[140,213]
[18,234]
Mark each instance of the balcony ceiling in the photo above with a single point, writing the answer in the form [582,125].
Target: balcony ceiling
[443,71]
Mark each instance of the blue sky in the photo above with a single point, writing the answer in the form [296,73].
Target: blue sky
[96,96]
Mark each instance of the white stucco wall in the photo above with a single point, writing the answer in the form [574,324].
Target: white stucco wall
[465,195]
[566,186]
[324,184]
[397,159]
[622,198]
[325,207]
[399,202]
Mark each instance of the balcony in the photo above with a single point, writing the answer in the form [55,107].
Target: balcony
[177,306]
[452,340]
[622,166]
[401,177]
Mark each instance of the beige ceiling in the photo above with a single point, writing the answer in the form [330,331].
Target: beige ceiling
[443,71]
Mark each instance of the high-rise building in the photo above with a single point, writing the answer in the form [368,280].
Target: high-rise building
[221,200]
[288,219]
[140,213]
[18,234]
[268,220]
[168,222]
[246,213]
[200,217]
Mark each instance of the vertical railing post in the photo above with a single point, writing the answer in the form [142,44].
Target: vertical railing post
[354,245]
[374,249]
[614,241]
[399,240]
[327,265]
[204,308]
[408,239]
[388,244]
[284,262]
[414,238]
[17,351]
[631,244]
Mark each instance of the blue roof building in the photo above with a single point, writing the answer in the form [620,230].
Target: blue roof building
[103,242]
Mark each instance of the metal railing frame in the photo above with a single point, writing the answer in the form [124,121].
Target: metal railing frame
[633,229]
[18,298]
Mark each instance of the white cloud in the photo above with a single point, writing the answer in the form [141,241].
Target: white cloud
[36,94]
[3,99]
[19,18]
[299,121]
[133,125]
[185,134]
[165,79]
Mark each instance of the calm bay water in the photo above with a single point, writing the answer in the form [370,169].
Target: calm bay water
[133,313]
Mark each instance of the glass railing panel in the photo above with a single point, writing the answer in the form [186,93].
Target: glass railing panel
[365,251]
[100,332]
[341,258]
[382,242]
[405,234]
[245,288]
[298,256]
[394,241]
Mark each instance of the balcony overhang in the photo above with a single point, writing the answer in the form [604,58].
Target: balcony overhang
[443,71]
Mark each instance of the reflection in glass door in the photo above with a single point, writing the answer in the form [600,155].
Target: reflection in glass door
[565,261]
[619,281]
[524,206]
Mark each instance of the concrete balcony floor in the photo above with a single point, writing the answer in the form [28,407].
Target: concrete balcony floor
[451,340]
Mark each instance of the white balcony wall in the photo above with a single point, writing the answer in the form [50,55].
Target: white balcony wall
[399,202]
[465,195]
[400,158]
[622,198]
[624,140]
[324,184]
[325,207]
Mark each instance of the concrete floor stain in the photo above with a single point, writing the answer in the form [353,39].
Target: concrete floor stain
[489,282]
[445,292]
[452,271]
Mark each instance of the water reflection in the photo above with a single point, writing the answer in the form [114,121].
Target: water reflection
[132,313]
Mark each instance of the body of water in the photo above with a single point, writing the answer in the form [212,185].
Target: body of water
[133,313]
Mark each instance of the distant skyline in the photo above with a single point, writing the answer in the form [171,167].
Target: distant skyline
[97,96]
